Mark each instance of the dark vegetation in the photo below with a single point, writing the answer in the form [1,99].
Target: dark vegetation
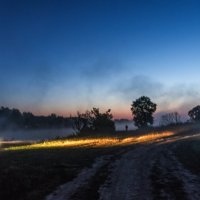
[195,114]
[94,121]
[188,153]
[31,175]
[142,110]
[13,118]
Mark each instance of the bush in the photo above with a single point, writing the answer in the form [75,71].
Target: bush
[94,121]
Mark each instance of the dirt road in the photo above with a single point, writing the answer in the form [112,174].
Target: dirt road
[147,172]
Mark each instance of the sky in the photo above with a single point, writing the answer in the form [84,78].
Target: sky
[67,56]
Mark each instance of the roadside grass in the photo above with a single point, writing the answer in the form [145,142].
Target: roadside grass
[31,174]
[188,153]
[31,171]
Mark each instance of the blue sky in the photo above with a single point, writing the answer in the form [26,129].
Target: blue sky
[64,56]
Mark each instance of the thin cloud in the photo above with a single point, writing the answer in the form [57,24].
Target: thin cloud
[101,69]
[138,86]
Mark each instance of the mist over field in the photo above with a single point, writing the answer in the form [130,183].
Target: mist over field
[120,126]
[47,134]
[35,135]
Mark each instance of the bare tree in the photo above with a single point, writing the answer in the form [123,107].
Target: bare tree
[80,122]
[170,118]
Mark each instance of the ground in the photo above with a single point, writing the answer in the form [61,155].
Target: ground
[164,165]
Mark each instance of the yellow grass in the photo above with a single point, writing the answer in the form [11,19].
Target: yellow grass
[94,142]
[154,136]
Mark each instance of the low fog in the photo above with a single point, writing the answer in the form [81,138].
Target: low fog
[47,134]
[35,135]
[120,126]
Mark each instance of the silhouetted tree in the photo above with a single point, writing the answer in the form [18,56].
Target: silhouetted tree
[16,118]
[194,114]
[142,110]
[4,117]
[29,121]
[93,121]
[102,121]
[170,118]
[80,122]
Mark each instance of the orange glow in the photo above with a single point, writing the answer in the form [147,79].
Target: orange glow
[154,136]
[95,142]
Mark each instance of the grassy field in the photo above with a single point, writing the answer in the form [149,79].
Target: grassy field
[28,173]
[188,153]
[31,171]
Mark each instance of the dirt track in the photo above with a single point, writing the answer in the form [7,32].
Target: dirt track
[149,171]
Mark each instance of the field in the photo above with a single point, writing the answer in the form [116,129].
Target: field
[189,155]
[32,171]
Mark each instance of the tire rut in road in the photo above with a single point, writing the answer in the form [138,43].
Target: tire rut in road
[129,176]
[165,185]
[170,180]
[89,191]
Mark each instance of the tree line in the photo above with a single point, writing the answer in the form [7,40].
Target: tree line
[92,121]
[13,118]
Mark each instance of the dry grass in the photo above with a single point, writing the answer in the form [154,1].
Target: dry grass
[94,142]
[154,136]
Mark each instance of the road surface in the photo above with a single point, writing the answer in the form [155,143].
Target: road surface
[147,172]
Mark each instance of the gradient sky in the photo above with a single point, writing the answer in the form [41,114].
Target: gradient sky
[64,56]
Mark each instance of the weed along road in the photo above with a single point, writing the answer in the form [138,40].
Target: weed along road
[149,170]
